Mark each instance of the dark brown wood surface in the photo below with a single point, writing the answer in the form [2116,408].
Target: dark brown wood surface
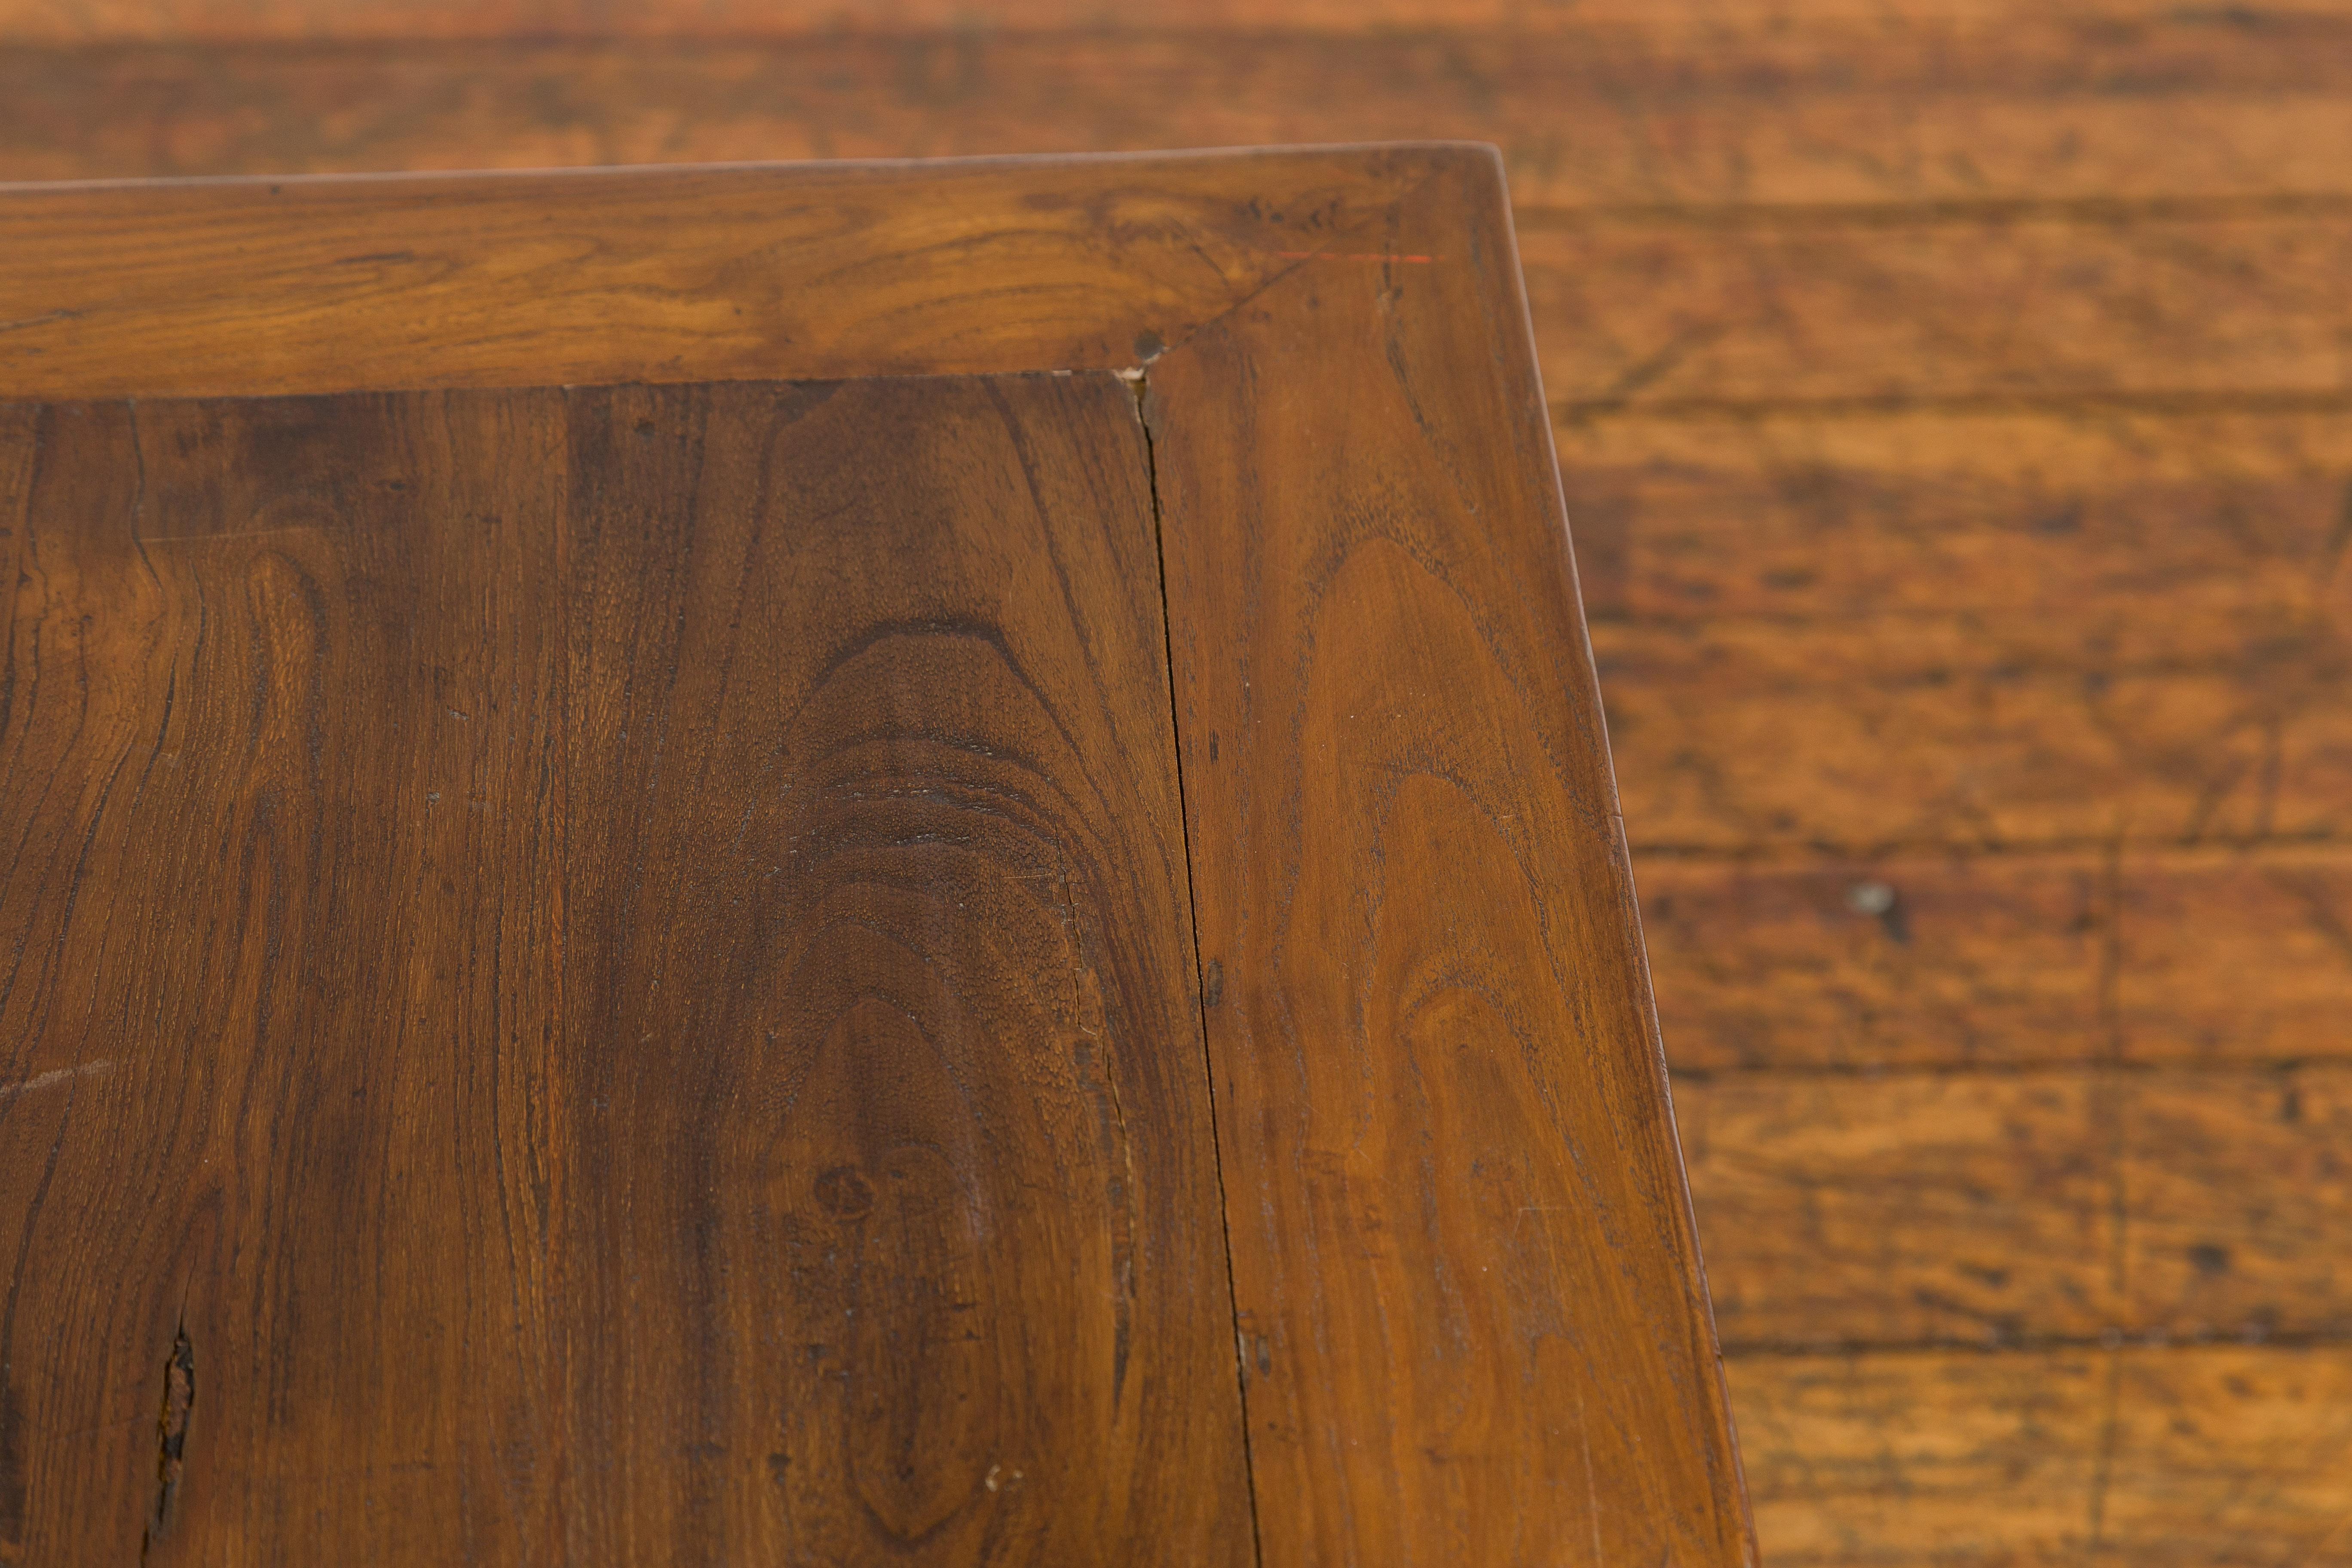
[712,880]
[879,900]
[2035,552]
[604,975]
[1444,1118]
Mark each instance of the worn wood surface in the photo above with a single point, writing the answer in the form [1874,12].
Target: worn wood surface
[2184,1457]
[1772,103]
[2144,956]
[612,970]
[2044,532]
[379,20]
[1414,1083]
[1923,734]
[1967,494]
[1890,308]
[1999,1207]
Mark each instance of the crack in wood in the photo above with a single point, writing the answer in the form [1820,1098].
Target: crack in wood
[172,1434]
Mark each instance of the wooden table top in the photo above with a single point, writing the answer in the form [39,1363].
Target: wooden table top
[851,863]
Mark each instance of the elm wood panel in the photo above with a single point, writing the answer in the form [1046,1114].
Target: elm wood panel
[2050,532]
[920,1038]
[279,1128]
[280,20]
[2187,1457]
[1643,110]
[1863,738]
[1469,1301]
[266,286]
[1992,1208]
[695,1053]
[1348,198]
[2037,305]
[2147,956]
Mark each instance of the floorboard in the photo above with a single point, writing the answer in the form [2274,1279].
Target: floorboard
[1786,103]
[2182,1457]
[2007,1207]
[1942,959]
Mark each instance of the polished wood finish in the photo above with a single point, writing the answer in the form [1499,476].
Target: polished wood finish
[613,967]
[703,1051]
[1442,1117]
[1966,520]
[660,276]
[878,898]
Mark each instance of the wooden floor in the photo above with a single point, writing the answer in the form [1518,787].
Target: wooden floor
[1955,410]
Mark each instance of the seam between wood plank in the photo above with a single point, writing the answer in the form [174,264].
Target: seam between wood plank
[1826,854]
[2111,1340]
[1299,260]
[2088,1064]
[1813,854]
[1697,410]
[1134,380]
[1722,1471]
[2094,212]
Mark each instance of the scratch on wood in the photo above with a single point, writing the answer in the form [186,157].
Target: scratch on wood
[1352,256]
[51,1080]
[46,317]
[2109,1430]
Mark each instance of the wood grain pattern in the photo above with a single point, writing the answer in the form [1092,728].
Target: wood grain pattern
[567,1002]
[866,1186]
[920,1038]
[2213,1456]
[1918,732]
[270,1090]
[1789,101]
[1437,1066]
[96,20]
[2146,956]
[2069,538]
[1994,1209]
[2045,531]
[1934,738]
[1920,960]
[2242,956]
[1904,307]
[1920,1208]
[1958,604]
[659,276]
